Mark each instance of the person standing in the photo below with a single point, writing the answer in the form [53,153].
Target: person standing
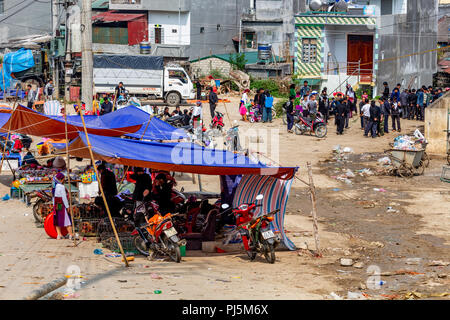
[404,103]
[162,193]
[396,92]
[142,191]
[213,99]
[395,114]
[305,89]
[198,87]
[351,97]
[323,105]
[312,107]
[268,104]
[31,96]
[374,119]
[292,91]
[197,115]
[289,107]
[365,115]
[61,218]
[412,104]
[347,107]
[420,104]
[109,186]
[385,111]
[386,91]
[340,115]
[48,90]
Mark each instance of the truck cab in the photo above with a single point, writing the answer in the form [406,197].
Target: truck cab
[177,85]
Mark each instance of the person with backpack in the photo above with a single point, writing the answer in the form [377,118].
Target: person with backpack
[289,107]
[267,110]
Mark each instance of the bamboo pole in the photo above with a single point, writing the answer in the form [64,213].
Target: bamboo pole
[312,189]
[68,173]
[9,129]
[4,84]
[103,194]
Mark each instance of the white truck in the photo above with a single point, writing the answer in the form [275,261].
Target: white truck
[142,76]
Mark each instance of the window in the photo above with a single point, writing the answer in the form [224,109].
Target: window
[178,74]
[2,6]
[309,50]
[158,35]
[218,27]
[250,40]
[174,30]
[202,29]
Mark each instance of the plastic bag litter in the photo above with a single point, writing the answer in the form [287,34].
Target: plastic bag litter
[337,148]
[348,150]
[355,296]
[349,174]
[384,160]
[335,296]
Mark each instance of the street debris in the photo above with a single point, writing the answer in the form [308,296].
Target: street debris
[346,262]
[438,263]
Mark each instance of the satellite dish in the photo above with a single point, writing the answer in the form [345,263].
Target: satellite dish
[315,5]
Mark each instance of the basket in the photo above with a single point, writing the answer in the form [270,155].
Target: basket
[87,227]
[445,176]
[108,241]
[15,193]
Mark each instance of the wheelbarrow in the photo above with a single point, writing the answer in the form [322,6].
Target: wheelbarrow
[406,163]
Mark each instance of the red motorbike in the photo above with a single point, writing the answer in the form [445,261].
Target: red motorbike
[306,124]
[256,234]
[217,122]
[43,205]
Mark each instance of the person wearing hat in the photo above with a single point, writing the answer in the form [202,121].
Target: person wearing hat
[59,163]
[61,218]
[197,114]
[213,99]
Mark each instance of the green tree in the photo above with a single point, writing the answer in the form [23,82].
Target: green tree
[238,61]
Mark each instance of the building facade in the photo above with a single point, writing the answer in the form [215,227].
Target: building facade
[372,42]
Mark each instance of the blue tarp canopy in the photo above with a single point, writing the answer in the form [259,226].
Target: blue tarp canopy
[179,157]
[17,61]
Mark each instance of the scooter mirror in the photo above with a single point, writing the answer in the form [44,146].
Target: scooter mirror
[259,197]
[225,206]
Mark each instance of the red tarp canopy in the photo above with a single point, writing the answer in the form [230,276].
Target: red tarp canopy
[27,121]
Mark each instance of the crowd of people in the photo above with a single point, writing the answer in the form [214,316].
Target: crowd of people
[374,114]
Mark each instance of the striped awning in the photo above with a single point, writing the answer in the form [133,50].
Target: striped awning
[339,20]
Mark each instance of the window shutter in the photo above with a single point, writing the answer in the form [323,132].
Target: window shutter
[152,35]
[162,36]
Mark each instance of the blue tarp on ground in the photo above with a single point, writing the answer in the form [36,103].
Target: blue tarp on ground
[179,157]
[17,61]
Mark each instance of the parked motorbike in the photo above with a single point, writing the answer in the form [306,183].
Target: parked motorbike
[44,200]
[126,100]
[157,235]
[256,234]
[217,122]
[255,115]
[176,121]
[200,135]
[232,140]
[302,125]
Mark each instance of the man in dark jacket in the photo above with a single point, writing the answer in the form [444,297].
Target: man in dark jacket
[374,119]
[106,106]
[323,105]
[386,112]
[109,186]
[412,101]
[386,91]
[289,107]
[404,103]
[213,99]
[142,191]
[162,194]
[340,115]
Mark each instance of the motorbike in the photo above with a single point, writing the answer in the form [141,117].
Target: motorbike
[232,140]
[302,125]
[157,235]
[199,134]
[43,205]
[126,100]
[255,115]
[176,121]
[256,234]
[217,122]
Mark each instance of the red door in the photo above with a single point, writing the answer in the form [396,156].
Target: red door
[360,48]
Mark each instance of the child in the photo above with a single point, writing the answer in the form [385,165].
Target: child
[243,112]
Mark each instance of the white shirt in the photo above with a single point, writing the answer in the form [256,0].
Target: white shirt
[245,98]
[366,110]
[60,191]
[197,111]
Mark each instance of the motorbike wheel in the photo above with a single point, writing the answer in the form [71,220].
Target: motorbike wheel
[252,120]
[298,131]
[321,131]
[139,243]
[284,119]
[37,211]
[269,252]
[251,255]
[174,250]
[274,113]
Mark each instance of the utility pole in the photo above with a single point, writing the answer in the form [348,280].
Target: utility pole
[68,55]
[86,54]
[55,65]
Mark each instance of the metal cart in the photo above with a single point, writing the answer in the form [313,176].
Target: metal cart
[406,163]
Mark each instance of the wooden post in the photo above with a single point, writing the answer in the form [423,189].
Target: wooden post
[68,172]
[312,190]
[101,191]
[4,84]
[193,178]
[9,129]
[199,183]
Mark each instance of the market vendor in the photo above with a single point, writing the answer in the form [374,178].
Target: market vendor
[142,191]
[61,218]
[162,193]
[109,186]
[59,163]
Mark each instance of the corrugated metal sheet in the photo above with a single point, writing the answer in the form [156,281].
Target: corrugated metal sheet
[137,31]
[111,16]
[111,35]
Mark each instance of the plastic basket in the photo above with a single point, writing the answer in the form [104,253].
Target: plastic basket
[109,241]
[87,227]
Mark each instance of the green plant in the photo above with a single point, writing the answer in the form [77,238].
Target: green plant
[269,85]
[217,74]
[238,61]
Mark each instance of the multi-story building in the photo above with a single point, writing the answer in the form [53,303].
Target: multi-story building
[370,42]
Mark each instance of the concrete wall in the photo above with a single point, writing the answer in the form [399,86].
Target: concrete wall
[436,117]
[407,34]
[204,67]
[169,22]
[31,19]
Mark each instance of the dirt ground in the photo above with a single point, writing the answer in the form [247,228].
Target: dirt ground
[354,222]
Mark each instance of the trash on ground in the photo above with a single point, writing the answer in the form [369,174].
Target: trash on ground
[335,296]
[413,261]
[155,276]
[401,272]
[113,255]
[438,263]
[6,197]
[157,291]
[347,150]
[384,161]
[346,262]
[359,265]
[355,296]
[392,210]
[98,251]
